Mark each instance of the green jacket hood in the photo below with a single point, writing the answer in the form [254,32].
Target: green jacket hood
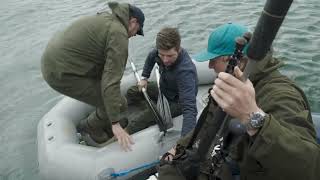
[121,11]
[265,67]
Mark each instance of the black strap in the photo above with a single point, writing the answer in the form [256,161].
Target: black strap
[200,122]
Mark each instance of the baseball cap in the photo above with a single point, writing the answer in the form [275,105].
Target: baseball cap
[221,42]
[137,13]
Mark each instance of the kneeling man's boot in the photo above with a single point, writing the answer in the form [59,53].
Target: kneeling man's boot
[93,127]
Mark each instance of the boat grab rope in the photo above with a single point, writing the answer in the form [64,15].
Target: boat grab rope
[126,172]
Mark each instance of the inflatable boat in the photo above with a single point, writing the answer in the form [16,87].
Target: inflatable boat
[62,157]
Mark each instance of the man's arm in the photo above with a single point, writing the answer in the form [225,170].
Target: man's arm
[285,146]
[287,136]
[149,63]
[116,59]
[187,97]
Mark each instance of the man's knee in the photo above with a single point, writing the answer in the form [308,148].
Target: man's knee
[140,120]
[133,95]
[133,90]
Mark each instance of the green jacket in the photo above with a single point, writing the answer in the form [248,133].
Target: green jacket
[285,147]
[93,47]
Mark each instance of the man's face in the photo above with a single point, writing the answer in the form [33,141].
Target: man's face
[168,57]
[219,64]
[133,28]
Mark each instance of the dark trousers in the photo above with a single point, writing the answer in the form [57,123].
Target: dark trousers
[144,117]
[170,172]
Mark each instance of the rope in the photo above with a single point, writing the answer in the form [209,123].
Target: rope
[126,172]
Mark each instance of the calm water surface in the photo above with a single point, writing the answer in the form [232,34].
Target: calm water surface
[27,25]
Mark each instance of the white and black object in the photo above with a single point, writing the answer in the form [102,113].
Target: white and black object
[256,120]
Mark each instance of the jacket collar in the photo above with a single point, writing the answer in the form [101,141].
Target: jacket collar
[264,67]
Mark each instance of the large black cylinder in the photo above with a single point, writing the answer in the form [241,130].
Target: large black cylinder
[267,27]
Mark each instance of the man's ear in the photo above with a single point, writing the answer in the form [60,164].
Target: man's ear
[226,59]
[178,50]
[133,20]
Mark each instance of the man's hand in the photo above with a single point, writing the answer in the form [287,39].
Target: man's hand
[142,84]
[170,154]
[235,97]
[122,136]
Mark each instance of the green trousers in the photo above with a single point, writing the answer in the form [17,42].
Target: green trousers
[87,90]
[144,117]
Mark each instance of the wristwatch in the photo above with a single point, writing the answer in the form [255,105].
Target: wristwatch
[256,120]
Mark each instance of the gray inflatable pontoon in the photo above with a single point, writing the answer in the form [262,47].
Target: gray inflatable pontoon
[61,157]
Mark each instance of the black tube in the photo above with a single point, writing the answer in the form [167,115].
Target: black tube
[267,27]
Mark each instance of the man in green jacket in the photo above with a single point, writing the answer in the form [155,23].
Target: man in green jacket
[87,61]
[278,139]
